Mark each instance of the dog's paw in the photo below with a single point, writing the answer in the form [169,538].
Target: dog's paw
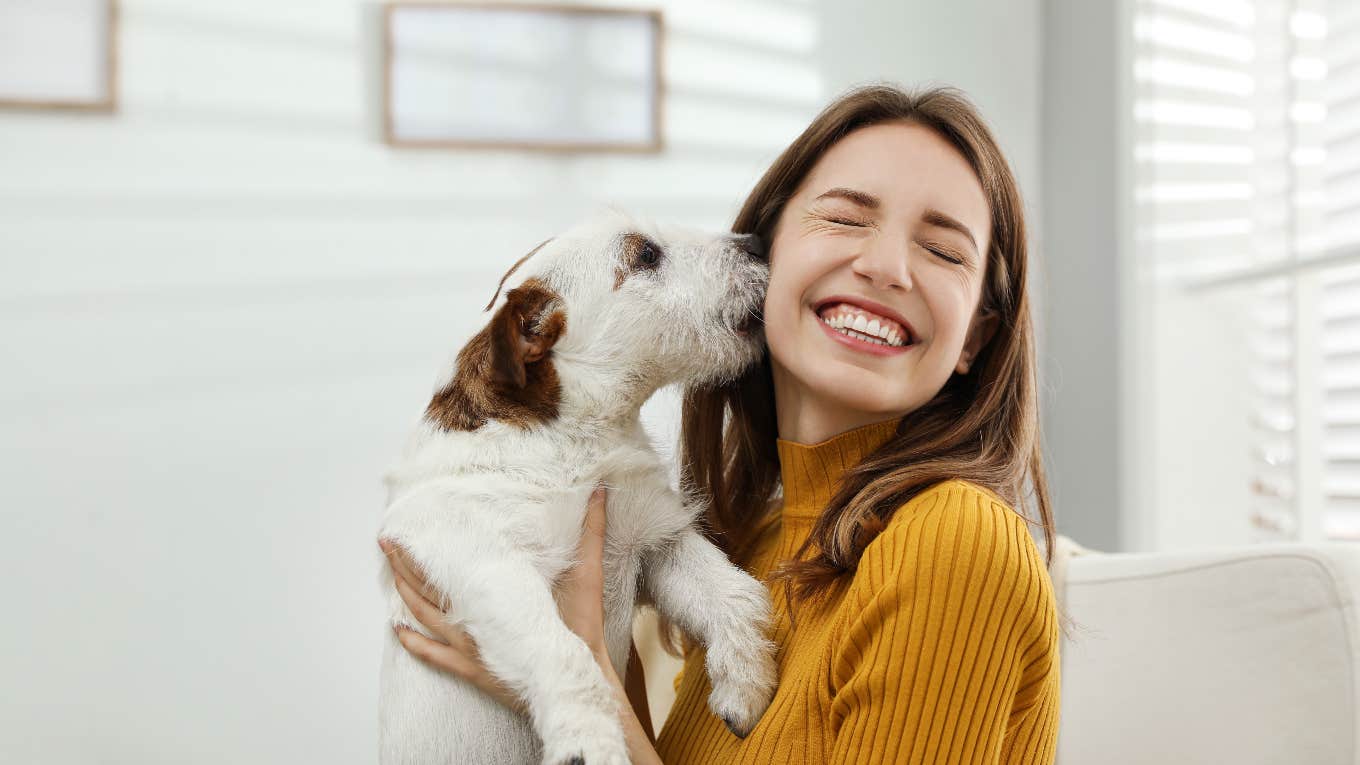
[741,695]
[588,748]
[740,707]
[587,758]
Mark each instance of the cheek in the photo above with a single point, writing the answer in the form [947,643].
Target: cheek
[950,312]
[784,288]
[784,321]
[781,290]
[794,267]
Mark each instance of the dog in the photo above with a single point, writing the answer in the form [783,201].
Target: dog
[490,495]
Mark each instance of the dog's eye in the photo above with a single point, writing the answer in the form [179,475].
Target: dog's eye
[641,253]
[648,256]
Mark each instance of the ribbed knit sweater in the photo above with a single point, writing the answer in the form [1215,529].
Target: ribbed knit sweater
[943,648]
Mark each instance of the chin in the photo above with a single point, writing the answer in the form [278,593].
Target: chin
[852,387]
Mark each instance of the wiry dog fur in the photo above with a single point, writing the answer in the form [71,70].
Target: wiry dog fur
[490,495]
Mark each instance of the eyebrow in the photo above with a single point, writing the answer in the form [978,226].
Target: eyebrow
[932,216]
[937,218]
[861,198]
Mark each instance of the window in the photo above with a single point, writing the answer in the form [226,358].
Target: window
[1246,212]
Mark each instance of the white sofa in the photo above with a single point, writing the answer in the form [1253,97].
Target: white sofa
[1246,655]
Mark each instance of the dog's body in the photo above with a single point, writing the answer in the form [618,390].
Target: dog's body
[490,495]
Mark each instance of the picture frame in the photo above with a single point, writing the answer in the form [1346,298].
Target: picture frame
[542,77]
[59,54]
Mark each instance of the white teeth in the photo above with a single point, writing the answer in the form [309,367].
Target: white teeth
[848,328]
[868,330]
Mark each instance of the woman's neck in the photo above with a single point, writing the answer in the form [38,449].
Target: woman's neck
[804,417]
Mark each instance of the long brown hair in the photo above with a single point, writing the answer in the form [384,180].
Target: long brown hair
[982,426]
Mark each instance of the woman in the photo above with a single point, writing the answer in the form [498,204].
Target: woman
[896,409]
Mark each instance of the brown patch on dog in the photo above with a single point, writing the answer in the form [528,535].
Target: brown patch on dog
[505,372]
[528,255]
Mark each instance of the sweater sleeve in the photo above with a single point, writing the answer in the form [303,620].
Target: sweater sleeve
[950,654]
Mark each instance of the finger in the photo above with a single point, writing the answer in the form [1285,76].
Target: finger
[403,566]
[454,661]
[437,654]
[436,621]
[400,562]
[424,611]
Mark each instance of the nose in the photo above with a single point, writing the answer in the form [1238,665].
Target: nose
[884,265]
[751,244]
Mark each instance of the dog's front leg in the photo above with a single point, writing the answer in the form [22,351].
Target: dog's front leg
[504,603]
[694,585]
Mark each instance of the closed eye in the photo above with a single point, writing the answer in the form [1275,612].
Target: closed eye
[841,221]
[944,255]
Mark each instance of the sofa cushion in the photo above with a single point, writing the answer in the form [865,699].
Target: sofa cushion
[1245,655]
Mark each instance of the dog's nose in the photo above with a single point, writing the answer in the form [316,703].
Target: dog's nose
[751,244]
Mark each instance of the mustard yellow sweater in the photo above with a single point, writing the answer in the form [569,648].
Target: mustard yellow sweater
[943,649]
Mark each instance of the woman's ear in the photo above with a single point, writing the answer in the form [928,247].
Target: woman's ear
[979,334]
[523,331]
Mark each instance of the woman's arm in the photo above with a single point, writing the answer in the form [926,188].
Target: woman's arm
[952,654]
[582,608]
[637,691]
[641,746]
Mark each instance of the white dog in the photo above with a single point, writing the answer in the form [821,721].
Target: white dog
[490,496]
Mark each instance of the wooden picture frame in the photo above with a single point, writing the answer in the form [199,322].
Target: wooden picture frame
[619,94]
[74,28]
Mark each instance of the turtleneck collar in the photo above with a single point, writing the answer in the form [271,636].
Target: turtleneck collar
[811,472]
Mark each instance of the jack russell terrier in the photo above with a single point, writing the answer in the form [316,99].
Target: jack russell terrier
[490,495]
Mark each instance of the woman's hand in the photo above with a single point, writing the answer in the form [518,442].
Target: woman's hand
[580,602]
[453,651]
[580,598]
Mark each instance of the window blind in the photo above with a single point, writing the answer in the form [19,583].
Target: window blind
[1247,178]
[1341,286]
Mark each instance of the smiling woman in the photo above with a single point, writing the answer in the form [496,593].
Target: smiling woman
[869,469]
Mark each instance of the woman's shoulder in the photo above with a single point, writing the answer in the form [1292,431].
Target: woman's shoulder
[958,529]
[954,505]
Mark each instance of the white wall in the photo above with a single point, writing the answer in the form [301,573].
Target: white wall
[223,307]
[989,48]
[1092,372]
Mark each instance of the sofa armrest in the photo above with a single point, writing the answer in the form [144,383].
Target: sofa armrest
[1242,655]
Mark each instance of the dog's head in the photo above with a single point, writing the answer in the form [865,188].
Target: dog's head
[605,314]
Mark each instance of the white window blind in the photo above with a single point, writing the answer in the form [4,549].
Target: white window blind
[1340,309]
[1247,193]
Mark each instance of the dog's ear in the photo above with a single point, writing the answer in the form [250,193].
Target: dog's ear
[524,331]
[505,372]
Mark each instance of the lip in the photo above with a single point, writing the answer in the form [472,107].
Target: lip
[861,345]
[868,305]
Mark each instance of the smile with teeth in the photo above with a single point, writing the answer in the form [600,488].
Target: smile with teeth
[860,324]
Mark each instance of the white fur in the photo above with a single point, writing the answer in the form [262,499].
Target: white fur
[494,516]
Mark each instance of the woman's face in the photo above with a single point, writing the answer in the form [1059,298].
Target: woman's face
[876,272]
